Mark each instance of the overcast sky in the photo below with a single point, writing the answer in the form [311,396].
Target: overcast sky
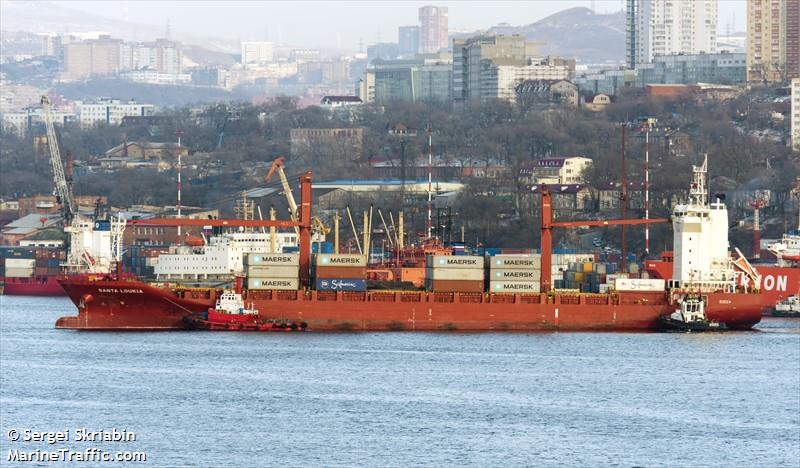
[344,23]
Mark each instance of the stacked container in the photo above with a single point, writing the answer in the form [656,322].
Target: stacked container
[340,272]
[515,273]
[454,273]
[280,271]
[18,262]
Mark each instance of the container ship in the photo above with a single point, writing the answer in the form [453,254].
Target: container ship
[31,271]
[468,293]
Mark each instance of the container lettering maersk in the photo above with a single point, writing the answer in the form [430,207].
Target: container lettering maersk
[514,286]
[634,284]
[341,260]
[515,275]
[273,271]
[516,262]
[456,274]
[454,261]
[284,284]
[276,259]
[341,284]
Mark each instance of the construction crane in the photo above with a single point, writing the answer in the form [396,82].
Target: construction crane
[63,189]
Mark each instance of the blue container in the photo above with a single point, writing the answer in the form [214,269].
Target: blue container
[53,262]
[291,249]
[102,225]
[334,284]
[326,247]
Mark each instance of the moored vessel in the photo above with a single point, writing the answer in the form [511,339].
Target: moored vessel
[703,270]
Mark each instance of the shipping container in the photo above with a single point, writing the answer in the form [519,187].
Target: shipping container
[340,260]
[284,284]
[633,284]
[514,286]
[515,275]
[454,286]
[273,271]
[450,261]
[457,274]
[341,284]
[20,262]
[277,259]
[339,272]
[18,272]
[517,262]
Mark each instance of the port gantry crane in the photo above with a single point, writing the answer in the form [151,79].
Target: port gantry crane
[87,250]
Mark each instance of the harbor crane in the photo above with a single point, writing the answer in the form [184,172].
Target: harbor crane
[63,188]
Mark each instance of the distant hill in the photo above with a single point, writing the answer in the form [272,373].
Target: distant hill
[576,32]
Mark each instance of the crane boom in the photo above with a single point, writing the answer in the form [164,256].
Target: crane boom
[277,165]
[63,191]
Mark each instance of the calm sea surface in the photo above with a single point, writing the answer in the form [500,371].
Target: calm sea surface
[405,399]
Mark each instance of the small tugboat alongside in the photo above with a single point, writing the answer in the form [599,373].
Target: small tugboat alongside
[789,307]
[230,314]
[691,317]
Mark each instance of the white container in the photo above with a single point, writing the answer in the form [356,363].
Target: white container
[636,284]
[20,263]
[516,262]
[273,271]
[514,287]
[291,284]
[454,261]
[278,259]
[341,260]
[515,275]
[454,274]
[19,272]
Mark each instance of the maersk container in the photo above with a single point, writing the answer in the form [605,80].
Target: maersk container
[454,274]
[341,284]
[516,262]
[340,260]
[452,261]
[273,271]
[515,275]
[514,286]
[273,283]
[276,259]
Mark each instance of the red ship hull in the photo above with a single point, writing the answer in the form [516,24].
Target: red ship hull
[34,286]
[777,283]
[133,305]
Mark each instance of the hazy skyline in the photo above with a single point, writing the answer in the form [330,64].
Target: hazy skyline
[345,23]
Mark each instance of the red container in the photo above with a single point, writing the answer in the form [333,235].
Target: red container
[341,272]
[454,286]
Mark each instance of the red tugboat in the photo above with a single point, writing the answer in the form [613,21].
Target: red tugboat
[703,272]
[230,314]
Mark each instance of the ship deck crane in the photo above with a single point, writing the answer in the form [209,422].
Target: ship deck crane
[317,226]
[547,232]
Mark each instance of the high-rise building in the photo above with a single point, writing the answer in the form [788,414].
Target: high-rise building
[433,28]
[796,114]
[408,39]
[163,56]
[666,27]
[491,67]
[94,57]
[412,80]
[773,40]
[256,52]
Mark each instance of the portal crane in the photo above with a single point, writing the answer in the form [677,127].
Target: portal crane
[63,190]
[277,165]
